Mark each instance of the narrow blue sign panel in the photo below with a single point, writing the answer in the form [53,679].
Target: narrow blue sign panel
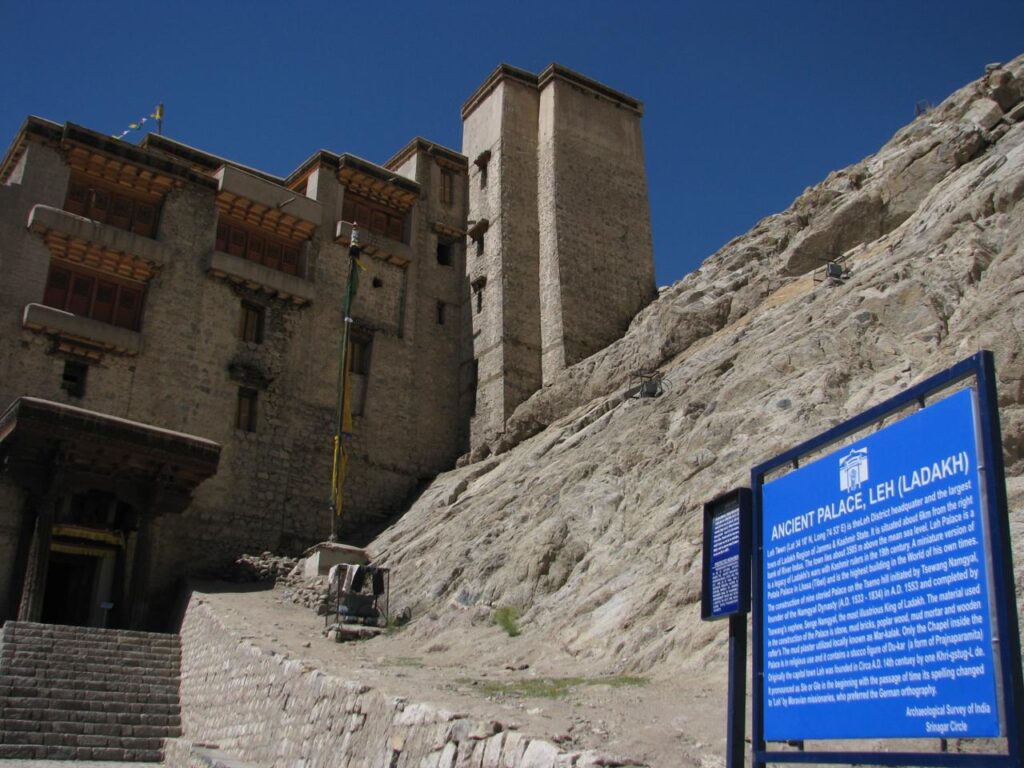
[725,561]
[876,619]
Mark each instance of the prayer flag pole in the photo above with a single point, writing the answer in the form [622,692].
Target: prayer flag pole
[343,410]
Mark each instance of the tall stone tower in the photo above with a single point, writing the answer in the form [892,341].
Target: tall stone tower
[559,257]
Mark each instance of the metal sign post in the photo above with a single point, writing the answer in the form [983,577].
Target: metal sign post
[725,593]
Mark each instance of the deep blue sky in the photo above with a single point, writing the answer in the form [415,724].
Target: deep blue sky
[747,103]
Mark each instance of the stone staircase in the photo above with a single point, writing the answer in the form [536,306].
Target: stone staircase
[77,693]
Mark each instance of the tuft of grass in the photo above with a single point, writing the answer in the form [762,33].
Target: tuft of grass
[548,687]
[401,661]
[507,617]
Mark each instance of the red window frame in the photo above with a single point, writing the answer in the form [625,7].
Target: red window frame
[116,206]
[96,295]
[276,253]
[373,216]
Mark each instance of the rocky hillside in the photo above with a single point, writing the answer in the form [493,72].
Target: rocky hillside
[587,514]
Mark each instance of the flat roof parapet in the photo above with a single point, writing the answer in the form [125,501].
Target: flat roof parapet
[589,84]
[197,158]
[419,144]
[552,72]
[140,155]
[377,182]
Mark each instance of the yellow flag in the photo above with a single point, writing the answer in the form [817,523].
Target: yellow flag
[340,453]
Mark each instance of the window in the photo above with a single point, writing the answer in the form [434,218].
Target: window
[481,162]
[478,292]
[474,380]
[245,413]
[280,254]
[115,206]
[359,366]
[444,253]
[252,323]
[476,233]
[447,187]
[373,216]
[95,295]
[359,355]
[440,313]
[72,380]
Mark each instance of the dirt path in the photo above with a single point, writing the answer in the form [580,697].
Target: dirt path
[484,673]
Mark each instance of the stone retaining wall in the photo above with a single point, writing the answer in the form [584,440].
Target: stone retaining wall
[268,710]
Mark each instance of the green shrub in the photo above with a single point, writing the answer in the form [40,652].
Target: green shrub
[507,617]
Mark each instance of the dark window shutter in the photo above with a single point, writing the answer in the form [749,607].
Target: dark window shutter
[255,252]
[121,212]
[78,198]
[128,304]
[145,220]
[56,294]
[236,242]
[395,227]
[106,299]
[222,237]
[100,208]
[81,295]
[380,222]
[272,257]
[290,260]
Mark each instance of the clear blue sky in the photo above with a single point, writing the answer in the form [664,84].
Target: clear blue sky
[747,103]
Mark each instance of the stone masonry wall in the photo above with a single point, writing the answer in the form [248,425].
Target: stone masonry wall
[269,710]
[596,256]
[11,503]
[272,486]
[567,257]
[504,313]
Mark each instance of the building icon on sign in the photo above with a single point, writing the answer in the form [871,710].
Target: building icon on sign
[853,469]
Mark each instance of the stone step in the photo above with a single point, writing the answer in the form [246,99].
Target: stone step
[89,646]
[92,674]
[76,693]
[43,752]
[34,732]
[64,632]
[96,691]
[40,703]
[27,732]
[49,645]
[126,661]
[29,687]
[88,664]
[145,718]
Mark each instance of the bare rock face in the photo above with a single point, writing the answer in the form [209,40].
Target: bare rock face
[587,515]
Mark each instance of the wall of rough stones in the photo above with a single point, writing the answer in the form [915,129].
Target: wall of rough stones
[268,710]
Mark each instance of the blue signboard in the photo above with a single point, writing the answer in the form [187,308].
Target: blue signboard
[725,562]
[876,618]
[725,588]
